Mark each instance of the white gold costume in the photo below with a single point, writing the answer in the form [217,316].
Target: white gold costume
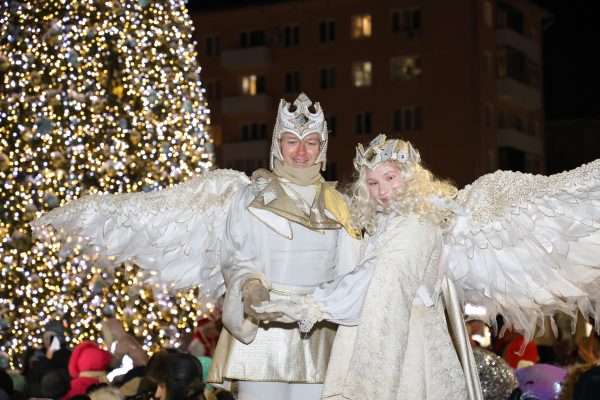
[401,349]
[288,236]
[288,258]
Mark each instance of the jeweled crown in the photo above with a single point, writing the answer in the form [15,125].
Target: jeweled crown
[381,149]
[301,122]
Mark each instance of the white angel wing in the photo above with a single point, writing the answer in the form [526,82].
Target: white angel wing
[174,233]
[529,246]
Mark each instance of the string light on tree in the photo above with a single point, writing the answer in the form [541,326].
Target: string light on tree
[97,96]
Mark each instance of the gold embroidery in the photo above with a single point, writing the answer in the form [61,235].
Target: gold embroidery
[291,206]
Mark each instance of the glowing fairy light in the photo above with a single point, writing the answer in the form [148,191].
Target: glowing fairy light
[92,92]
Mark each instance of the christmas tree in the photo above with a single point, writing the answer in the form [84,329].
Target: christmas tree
[97,96]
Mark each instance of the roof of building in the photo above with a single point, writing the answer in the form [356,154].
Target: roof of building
[215,5]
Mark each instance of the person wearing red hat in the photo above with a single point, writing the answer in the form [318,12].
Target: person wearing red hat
[512,353]
[87,367]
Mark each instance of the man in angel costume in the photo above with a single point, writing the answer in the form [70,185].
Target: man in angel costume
[281,239]
[523,246]
[278,235]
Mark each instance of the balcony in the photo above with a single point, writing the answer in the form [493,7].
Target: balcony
[246,156]
[508,37]
[518,93]
[243,105]
[247,149]
[246,57]
[509,137]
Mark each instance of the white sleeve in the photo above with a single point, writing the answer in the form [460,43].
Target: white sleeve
[347,253]
[341,300]
[239,262]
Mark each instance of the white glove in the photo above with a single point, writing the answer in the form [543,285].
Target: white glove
[298,308]
[291,312]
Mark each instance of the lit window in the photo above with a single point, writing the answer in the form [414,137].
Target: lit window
[252,85]
[361,26]
[362,74]
[405,67]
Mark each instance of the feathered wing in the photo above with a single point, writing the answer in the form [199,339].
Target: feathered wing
[529,245]
[172,233]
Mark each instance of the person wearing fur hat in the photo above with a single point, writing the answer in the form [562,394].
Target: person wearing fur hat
[87,366]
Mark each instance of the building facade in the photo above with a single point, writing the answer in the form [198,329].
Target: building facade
[462,80]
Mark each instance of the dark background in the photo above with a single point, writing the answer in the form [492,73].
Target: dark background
[571,63]
[571,59]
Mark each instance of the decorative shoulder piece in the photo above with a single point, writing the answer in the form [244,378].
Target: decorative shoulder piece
[381,149]
[298,120]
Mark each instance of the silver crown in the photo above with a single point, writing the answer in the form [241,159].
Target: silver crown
[380,150]
[300,122]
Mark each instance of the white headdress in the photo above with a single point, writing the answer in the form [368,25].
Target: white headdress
[380,150]
[300,122]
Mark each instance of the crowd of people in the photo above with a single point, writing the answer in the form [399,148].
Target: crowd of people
[357,295]
[94,370]
[87,370]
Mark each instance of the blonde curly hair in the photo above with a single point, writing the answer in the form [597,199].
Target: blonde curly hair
[422,194]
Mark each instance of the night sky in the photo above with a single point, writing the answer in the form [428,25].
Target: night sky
[571,59]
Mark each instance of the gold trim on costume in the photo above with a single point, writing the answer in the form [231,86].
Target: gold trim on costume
[291,206]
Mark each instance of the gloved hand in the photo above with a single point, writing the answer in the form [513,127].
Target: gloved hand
[290,311]
[253,294]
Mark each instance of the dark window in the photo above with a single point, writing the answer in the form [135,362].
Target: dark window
[363,123]
[291,36]
[252,38]
[212,45]
[327,78]
[407,20]
[407,119]
[397,121]
[331,125]
[213,90]
[292,81]
[326,31]
[418,122]
[511,63]
[254,131]
[509,17]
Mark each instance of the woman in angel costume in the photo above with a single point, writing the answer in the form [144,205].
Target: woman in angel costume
[523,246]
[278,235]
